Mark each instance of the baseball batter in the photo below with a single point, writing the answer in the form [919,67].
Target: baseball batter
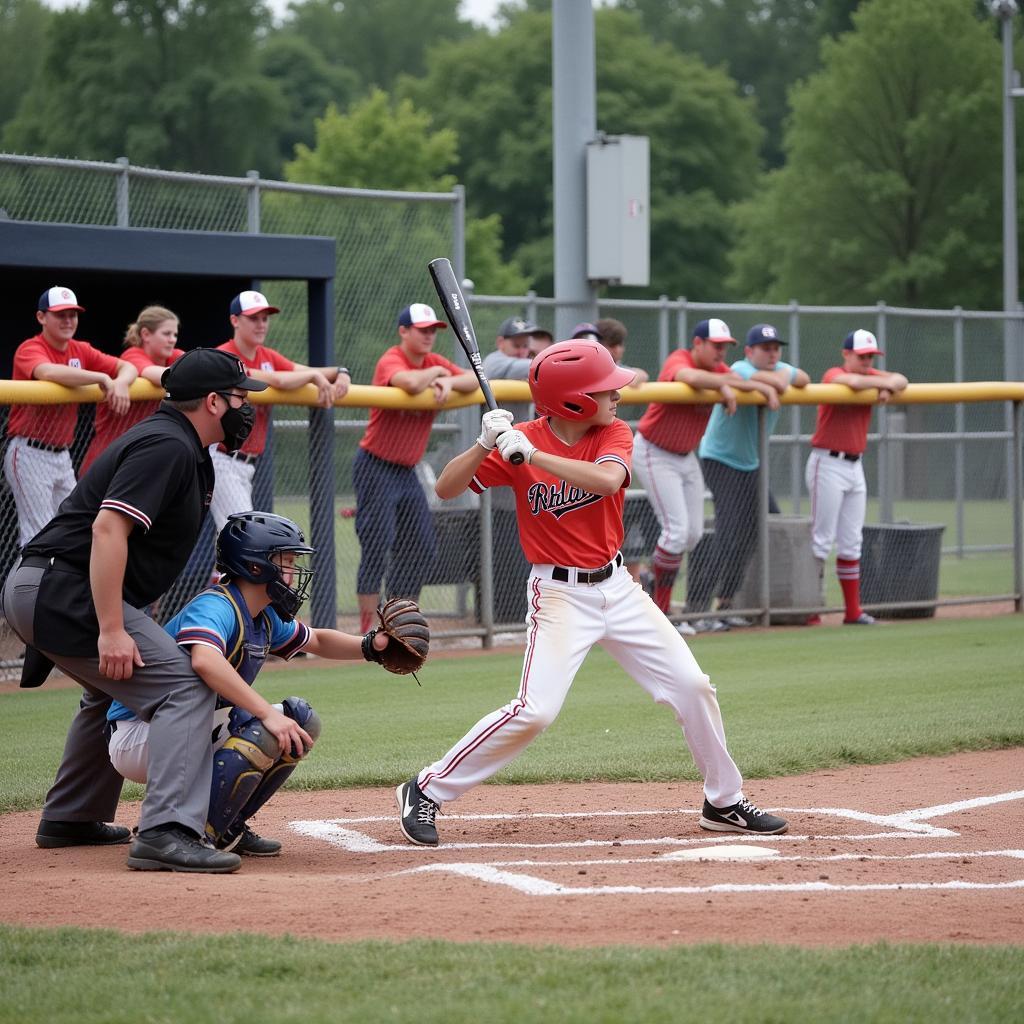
[835,472]
[570,490]
[37,462]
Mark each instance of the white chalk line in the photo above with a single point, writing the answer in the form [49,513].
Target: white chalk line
[530,885]
[910,824]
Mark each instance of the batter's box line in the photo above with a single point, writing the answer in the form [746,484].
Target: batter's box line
[530,885]
[909,824]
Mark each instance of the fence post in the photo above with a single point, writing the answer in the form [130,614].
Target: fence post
[682,327]
[763,484]
[252,203]
[663,330]
[459,231]
[531,306]
[885,511]
[794,412]
[959,414]
[486,569]
[1017,497]
[121,194]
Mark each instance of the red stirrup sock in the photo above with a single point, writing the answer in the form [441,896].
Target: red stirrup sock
[666,568]
[848,571]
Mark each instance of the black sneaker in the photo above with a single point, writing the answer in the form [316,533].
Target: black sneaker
[242,840]
[741,817]
[51,834]
[416,814]
[179,849]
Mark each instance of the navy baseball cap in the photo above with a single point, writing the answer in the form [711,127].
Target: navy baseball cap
[863,343]
[251,303]
[713,330]
[202,370]
[760,334]
[586,330]
[53,300]
[419,314]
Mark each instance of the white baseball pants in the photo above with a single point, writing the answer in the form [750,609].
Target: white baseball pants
[839,498]
[564,621]
[40,481]
[675,488]
[232,489]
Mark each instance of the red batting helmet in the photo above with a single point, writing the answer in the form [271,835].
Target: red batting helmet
[565,375]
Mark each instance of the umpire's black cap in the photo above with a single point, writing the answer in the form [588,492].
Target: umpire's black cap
[197,373]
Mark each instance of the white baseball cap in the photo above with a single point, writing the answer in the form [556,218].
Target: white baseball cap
[419,314]
[54,299]
[863,343]
[251,303]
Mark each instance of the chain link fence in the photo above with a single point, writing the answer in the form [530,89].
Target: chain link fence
[952,465]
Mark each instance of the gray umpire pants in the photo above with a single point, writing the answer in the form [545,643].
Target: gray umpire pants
[165,692]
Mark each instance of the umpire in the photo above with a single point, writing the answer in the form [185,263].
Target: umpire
[122,534]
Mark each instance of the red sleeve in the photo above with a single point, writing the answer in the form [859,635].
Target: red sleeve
[28,356]
[831,374]
[92,358]
[492,472]
[392,362]
[278,361]
[617,446]
[433,359]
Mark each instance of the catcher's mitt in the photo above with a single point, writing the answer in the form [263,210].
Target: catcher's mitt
[408,636]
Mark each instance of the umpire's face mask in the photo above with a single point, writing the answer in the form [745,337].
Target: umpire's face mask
[237,425]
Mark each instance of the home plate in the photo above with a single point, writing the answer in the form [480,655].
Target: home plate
[733,852]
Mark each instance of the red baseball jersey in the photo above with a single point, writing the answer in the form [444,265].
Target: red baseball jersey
[401,435]
[559,523]
[109,426]
[842,428]
[53,424]
[263,359]
[677,428]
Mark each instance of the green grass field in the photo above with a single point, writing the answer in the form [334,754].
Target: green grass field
[793,701]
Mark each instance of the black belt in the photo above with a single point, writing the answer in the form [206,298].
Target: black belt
[845,455]
[560,573]
[43,446]
[241,457]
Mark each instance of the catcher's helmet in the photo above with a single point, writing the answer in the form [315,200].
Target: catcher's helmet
[565,375]
[246,548]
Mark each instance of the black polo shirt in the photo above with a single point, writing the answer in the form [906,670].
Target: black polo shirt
[160,476]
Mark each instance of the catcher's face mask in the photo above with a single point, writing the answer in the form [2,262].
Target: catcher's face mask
[289,590]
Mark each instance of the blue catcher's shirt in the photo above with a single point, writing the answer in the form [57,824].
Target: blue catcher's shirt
[219,618]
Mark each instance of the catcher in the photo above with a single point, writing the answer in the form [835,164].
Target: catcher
[230,629]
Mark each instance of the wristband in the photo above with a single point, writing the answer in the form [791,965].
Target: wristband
[341,370]
[370,653]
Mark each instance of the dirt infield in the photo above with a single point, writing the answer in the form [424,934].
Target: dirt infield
[927,850]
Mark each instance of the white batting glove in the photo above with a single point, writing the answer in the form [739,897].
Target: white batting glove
[493,423]
[513,441]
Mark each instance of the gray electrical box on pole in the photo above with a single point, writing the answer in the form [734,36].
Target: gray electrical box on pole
[618,210]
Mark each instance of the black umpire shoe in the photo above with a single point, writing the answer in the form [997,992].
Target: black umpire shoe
[416,813]
[741,817]
[241,839]
[176,848]
[50,834]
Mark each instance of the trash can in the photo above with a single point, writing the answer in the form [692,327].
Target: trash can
[900,562]
[792,572]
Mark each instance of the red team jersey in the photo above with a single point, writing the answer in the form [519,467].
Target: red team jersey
[263,359]
[109,426]
[677,428]
[842,428]
[401,435]
[53,424]
[560,524]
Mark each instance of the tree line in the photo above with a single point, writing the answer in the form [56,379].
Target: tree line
[835,151]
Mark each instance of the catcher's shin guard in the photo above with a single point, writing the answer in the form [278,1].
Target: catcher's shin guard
[277,775]
[238,768]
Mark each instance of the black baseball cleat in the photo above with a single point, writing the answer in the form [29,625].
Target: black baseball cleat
[177,848]
[241,839]
[51,834]
[741,817]
[416,813]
